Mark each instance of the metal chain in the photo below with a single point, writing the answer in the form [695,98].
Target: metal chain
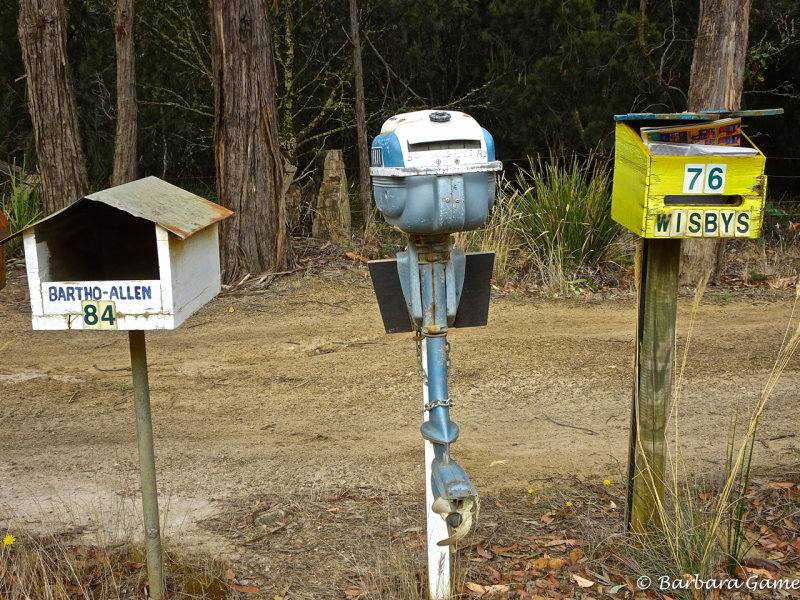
[443,402]
[420,369]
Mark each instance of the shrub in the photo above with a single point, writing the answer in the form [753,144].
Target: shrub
[565,215]
[21,203]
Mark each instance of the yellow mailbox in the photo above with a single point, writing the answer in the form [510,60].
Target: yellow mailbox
[664,188]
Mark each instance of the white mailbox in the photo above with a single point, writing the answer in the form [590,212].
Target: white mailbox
[143,255]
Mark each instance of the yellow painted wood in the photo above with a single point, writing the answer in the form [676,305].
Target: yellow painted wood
[642,182]
[631,167]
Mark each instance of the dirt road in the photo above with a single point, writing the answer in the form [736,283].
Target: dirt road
[296,392]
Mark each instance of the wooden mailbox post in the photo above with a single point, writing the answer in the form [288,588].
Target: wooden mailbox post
[139,256]
[666,190]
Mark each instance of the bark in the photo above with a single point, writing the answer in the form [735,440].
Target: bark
[42,36]
[125,140]
[717,78]
[364,187]
[249,166]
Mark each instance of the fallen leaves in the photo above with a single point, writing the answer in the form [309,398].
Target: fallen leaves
[485,591]
[546,564]
[504,550]
[481,550]
[356,257]
[581,581]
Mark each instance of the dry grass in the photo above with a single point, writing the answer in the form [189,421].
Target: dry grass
[704,533]
[106,563]
[499,235]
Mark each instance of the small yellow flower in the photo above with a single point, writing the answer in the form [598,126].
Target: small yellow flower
[530,490]
[569,503]
[606,482]
[230,310]
[8,540]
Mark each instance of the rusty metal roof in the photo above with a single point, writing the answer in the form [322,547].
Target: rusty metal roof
[176,210]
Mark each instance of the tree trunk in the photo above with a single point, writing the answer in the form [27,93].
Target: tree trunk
[125,140]
[717,78]
[364,187]
[249,166]
[42,26]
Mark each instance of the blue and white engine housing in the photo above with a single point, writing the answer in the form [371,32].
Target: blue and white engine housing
[434,172]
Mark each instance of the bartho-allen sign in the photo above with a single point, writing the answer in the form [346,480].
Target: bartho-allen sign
[143,255]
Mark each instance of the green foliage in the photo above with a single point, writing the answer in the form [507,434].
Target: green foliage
[543,77]
[16,133]
[499,235]
[92,58]
[772,72]
[736,543]
[175,92]
[781,224]
[565,208]
[314,96]
[565,68]
[21,203]
[554,217]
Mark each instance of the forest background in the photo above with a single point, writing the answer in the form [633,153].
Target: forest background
[545,78]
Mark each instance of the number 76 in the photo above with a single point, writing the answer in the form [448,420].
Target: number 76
[704,179]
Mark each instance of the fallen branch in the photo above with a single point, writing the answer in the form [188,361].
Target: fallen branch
[584,429]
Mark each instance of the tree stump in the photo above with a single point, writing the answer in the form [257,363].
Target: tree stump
[332,212]
[291,192]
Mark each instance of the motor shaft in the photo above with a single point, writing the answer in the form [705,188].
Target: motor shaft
[455,498]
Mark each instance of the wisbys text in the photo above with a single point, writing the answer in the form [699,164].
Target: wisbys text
[87,292]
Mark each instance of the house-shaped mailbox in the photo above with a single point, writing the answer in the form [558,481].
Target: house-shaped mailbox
[715,192]
[143,255]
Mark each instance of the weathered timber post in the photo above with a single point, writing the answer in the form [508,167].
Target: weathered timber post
[332,214]
[655,361]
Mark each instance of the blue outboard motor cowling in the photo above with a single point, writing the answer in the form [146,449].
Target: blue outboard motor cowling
[434,172]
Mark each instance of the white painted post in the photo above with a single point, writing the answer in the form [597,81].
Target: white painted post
[438,556]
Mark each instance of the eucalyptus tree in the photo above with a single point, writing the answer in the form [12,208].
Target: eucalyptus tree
[42,31]
[125,138]
[249,165]
[717,82]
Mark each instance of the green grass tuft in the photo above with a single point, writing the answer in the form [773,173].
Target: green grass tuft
[22,205]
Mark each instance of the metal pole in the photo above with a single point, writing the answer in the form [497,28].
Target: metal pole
[147,465]
[438,556]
